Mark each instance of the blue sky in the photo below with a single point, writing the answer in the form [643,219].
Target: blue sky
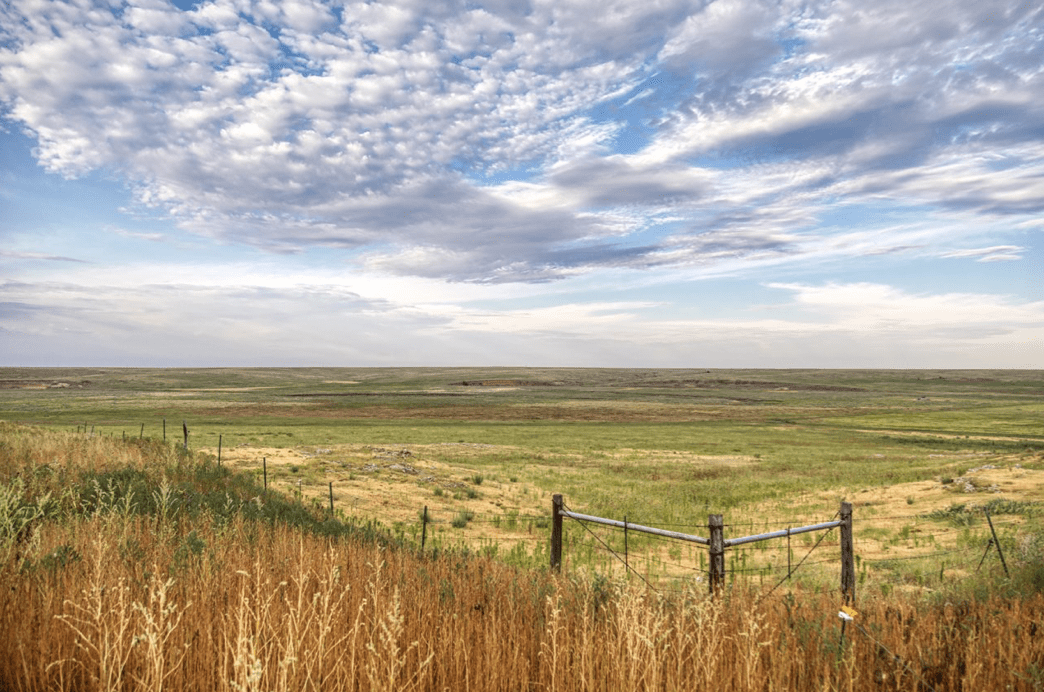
[634,184]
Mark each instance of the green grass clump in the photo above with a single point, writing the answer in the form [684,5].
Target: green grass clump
[462,518]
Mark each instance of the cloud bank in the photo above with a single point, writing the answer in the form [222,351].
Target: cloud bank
[531,142]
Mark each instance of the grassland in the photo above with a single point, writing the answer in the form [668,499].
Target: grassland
[917,452]
[137,565]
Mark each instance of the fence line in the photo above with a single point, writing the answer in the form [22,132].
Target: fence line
[924,529]
[716,543]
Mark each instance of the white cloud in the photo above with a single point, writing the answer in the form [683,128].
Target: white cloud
[247,314]
[995,253]
[377,128]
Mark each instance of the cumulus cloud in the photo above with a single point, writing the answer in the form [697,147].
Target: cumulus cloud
[475,141]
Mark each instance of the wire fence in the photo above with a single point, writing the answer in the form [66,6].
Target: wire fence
[953,538]
[933,544]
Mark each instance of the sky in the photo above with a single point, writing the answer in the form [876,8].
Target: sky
[666,183]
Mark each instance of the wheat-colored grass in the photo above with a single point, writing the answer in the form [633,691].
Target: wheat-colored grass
[159,602]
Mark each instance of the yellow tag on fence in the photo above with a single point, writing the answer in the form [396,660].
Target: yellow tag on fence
[850,612]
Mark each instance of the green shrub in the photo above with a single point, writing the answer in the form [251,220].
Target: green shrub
[462,518]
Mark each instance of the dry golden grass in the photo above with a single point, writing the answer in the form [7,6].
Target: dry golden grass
[265,608]
[147,602]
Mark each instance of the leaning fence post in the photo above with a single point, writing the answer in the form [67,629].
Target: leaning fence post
[848,576]
[716,524]
[556,532]
[996,541]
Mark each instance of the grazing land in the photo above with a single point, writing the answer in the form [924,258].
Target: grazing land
[916,452]
[131,562]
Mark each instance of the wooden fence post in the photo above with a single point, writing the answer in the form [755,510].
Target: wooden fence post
[996,542]
[331,498]
[556,533]
[219,455]
[848,575]
[424,527]
[264,469]
[716,524]
[184,428]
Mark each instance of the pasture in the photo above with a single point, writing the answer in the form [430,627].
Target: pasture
[918,453]
[128,562]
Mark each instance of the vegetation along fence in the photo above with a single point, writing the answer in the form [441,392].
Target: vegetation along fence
[915,537]
[716,542]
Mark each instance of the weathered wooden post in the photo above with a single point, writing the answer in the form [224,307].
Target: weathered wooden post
[848,575]
[717,553]
[424,527]
[996,542]
[219,449]
[556,533]
[331,498]
[264,469]
[184,428]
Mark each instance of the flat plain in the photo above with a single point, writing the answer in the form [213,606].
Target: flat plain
[919,453]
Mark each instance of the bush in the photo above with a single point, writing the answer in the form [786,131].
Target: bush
[462,519]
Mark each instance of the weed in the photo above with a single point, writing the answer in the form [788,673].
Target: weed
[462,518]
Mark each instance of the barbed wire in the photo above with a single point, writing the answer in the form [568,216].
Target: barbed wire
[796,568]
[625,562]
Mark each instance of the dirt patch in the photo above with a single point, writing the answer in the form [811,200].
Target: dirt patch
[907,520]
[508,383]
[43,384]
[949,436]
[457,410]
[680,457]
[742,384]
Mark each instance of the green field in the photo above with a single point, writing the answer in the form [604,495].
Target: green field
[765,448]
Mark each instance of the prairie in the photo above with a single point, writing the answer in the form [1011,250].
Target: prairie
[484,449]
[135,565]
[142,564]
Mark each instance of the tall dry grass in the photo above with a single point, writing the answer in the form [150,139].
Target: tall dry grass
[101,596]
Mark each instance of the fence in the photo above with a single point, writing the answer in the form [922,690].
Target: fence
[716,542]
[970,557]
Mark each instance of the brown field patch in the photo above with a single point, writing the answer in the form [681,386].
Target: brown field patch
[392,483]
